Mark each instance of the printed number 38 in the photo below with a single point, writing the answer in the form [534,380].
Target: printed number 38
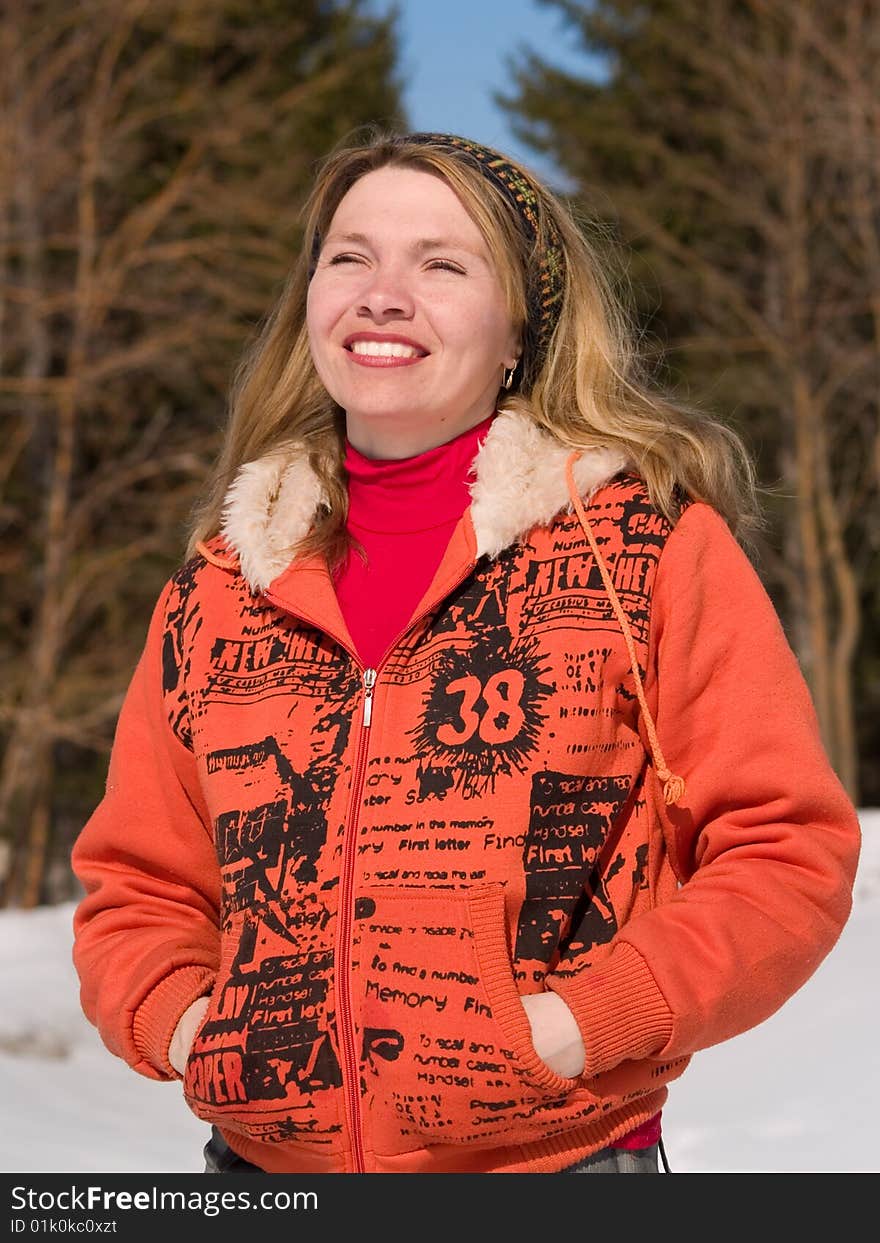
[503,717]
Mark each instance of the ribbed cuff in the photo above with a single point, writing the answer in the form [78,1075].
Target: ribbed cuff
[619,1009]
[159,1013]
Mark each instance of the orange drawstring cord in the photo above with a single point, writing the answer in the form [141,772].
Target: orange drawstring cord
[673,786]
[221,562]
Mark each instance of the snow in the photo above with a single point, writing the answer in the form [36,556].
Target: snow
[796,1094]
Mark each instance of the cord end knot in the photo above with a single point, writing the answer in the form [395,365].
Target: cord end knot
[673,788]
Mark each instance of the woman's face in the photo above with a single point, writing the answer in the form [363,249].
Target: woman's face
[408,324]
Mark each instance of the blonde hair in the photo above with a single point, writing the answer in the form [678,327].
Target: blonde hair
[589,388]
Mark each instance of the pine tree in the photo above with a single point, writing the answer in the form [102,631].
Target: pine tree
[733,148]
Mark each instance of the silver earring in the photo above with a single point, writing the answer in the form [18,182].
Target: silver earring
[508,375]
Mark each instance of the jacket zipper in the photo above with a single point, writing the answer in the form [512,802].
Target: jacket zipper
[345,1009]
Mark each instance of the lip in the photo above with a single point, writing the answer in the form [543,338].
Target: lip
[383,362]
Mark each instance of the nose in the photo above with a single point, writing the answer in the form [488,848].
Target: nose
[386,296]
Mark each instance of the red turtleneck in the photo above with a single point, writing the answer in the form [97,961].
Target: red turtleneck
[403,513]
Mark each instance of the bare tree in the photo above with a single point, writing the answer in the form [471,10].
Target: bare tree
[154,153]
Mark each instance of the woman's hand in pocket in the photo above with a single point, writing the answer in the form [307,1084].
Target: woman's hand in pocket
[555,1033]
[187,1026]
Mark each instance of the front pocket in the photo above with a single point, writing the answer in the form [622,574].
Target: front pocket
[263,1061]
[446,1047]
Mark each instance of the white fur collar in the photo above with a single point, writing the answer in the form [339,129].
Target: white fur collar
[519,484]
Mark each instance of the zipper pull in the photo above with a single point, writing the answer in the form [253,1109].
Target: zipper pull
[369,683]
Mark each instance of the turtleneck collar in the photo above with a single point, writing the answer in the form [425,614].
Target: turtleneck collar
[416,493]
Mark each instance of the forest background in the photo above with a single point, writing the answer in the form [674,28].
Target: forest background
[153,158]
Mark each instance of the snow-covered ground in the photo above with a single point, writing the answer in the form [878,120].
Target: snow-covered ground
[799,1093]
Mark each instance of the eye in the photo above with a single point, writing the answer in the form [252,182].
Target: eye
[446,265]
[344,258]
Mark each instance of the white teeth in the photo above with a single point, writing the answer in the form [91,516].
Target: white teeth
[384,349]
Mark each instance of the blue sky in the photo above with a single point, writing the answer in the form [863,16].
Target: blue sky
[454,55]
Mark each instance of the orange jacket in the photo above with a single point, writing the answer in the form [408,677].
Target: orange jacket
[367,868]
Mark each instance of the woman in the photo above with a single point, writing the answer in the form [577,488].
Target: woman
[514,783]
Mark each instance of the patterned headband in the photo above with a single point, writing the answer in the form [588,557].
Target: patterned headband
[545,282]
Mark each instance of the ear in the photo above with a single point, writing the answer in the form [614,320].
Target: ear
[514,351]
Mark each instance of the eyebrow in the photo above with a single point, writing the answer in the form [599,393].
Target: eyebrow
[423,244]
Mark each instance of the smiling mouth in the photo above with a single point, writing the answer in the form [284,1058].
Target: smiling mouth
[368,351]
[384,353]
[384,349]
